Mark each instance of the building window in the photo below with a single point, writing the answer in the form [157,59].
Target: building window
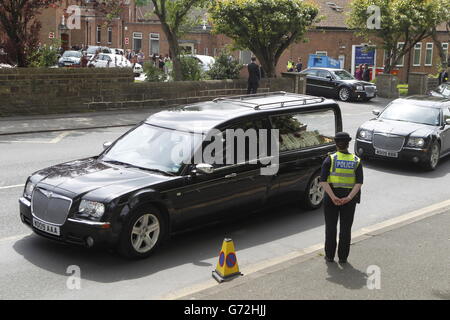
[137,41]
[206,51]
[154,44]
[322,53]
[110,35]
[417,55]
[429,54]
[401,61]
[215,52]
[445,48]
[99,34]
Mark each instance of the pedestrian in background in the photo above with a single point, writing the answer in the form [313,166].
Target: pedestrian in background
[299,65]
[140,57]
[443,76]
[290,65]
[161,63]
[341,178]
[366,73]
[254,75]
[84,60]
[359,72]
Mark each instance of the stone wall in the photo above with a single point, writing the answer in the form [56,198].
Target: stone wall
[387,86]
[51,91]
[433,83]
[417,83]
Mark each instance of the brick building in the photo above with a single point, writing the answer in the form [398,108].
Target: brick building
[134,29]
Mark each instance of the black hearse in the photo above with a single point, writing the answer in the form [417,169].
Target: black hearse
[157,178]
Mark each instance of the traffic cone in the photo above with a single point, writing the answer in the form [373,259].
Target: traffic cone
[227,267]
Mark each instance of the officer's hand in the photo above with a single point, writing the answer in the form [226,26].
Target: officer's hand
[336,201]
[345,200]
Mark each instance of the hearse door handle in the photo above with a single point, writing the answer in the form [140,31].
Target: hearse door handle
[231,175]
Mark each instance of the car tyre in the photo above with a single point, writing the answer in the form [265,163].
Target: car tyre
[142,233]
[314,193]
[344,94]
[433,157]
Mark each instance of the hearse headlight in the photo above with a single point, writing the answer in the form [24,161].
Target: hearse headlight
[28,191]
[365,135]
[359,88]
[416,142]
[92,209]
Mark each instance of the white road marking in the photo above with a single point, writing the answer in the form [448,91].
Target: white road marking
[60,137]
[399,221]
[10,187]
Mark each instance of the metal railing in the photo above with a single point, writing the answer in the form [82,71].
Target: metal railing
[246,100]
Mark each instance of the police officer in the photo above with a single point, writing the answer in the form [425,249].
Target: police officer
[341,178]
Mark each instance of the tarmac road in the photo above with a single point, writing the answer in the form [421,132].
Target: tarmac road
[35,268]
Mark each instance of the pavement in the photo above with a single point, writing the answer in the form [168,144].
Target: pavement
[406,261]
[74,121]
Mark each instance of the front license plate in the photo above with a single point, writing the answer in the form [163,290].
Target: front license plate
[49,228]
[370,94]
[386,153]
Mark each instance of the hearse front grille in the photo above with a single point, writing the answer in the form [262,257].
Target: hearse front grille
[50,207]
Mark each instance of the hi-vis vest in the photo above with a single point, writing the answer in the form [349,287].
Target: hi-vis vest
[342,170]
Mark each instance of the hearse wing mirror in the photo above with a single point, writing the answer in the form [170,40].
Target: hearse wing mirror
[204,168]
[106,145]
[376,112]
[447,121]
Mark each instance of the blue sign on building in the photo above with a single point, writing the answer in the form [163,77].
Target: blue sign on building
[363,56]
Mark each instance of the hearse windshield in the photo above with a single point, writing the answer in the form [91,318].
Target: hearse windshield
[154,148]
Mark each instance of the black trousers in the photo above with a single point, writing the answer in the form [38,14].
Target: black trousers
[334,213]
[252,87]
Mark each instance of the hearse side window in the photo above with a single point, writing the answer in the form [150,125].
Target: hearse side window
[323,73]
[251,139]
[305,130]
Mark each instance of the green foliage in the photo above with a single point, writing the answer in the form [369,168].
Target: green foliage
[46,56]
[191,69]
[408,21]
[225,67]
[154,74]
[266,27]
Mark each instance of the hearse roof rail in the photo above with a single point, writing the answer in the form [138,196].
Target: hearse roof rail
[246,100]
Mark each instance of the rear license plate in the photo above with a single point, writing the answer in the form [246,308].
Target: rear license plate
[48,228]
[386,153]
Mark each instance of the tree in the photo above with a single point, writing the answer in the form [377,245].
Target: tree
[174,16]
[225,67]
[266,27]
[20,28]
[401,21]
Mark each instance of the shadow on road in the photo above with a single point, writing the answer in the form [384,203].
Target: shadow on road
[408,169]
[193,247]
[346,275]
